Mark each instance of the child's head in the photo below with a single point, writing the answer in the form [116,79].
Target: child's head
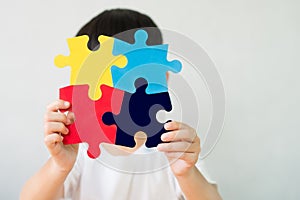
[115,21]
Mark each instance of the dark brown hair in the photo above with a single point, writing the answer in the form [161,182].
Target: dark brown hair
[120,23]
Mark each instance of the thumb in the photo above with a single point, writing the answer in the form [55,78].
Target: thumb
[53,143]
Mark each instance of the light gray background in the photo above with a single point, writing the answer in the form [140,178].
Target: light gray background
[254,43]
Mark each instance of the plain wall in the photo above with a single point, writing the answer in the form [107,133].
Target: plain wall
[254,43]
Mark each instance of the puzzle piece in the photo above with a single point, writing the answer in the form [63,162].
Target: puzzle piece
[138,113]
[91,67]
[88,126]
[148,62]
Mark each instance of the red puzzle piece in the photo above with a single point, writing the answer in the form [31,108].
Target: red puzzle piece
[88,126]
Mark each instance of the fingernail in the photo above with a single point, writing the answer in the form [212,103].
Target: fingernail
[66,103]
[167,125]
[164,137]
[158,147]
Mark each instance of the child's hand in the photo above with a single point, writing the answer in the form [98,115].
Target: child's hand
[64,156]
[183,148]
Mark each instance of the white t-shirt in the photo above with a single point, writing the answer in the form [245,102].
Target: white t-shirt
[144,174]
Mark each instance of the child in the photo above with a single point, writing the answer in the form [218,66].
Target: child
[70,174]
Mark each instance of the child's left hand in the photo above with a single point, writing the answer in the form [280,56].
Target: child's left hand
[183,148]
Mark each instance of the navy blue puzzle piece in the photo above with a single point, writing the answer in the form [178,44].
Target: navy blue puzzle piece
[138,113]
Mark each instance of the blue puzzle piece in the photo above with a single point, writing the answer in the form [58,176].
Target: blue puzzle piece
[148,62]
[138,113]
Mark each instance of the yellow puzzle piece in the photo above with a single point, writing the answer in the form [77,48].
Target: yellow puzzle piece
[91,67]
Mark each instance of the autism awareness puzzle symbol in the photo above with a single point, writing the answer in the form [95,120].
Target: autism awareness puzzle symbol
[116,91]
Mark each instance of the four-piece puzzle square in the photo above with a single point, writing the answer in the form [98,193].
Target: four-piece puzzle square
[116,91]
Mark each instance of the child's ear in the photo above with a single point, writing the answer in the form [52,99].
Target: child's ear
[167,74]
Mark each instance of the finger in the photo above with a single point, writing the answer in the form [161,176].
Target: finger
[56,117]
[51,142]
[181,155]
[174,125]
[70,118]
[58,104]
[188,135]
[178,147]
[55,127]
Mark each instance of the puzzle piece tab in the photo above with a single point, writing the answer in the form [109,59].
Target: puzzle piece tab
[138,113]
[91,67]
[148,62]
[88,126]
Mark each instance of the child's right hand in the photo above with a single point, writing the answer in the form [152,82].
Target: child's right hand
[64,156]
